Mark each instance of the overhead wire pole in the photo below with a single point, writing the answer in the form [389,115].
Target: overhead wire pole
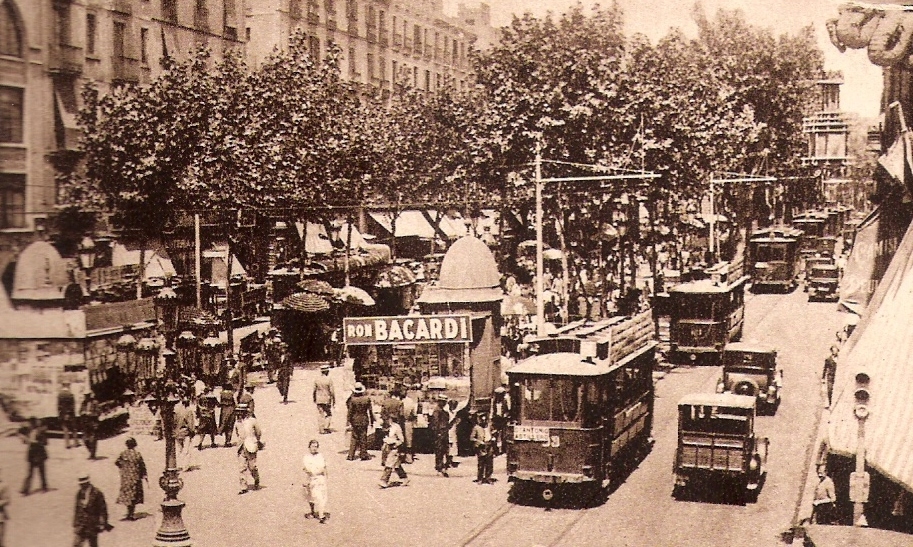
[540,183]
[711,240]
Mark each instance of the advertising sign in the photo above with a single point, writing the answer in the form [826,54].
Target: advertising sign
[411,329]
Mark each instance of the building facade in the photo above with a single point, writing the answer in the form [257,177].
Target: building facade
[382,42]
[48,50]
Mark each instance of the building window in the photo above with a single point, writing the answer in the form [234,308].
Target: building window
[370,66]
[415,77]
[417,38]
[247,34]
[11,114]
[294,9]
[352,68]
[91,30]
[201,15]
[371,24]
[120,33]
[170,10]
[144,46]
[10,38]
[382,69]
[12,201]
[352,10]
[331,6]
[62,23]
[427,80]
[314,47]
[229,16]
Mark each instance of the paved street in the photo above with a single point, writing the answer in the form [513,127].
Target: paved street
[438,511]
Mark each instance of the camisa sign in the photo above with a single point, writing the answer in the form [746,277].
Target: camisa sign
[412,329]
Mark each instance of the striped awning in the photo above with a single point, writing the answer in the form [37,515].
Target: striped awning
[882,346]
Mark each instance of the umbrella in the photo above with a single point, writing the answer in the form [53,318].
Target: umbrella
[517,305]
[354,295]
[552,254]
[305,302]
[316,286]
[394,276]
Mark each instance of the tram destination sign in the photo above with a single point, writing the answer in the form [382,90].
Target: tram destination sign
[407,329]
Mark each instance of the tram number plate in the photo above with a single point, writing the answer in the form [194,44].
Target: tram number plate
[531,433]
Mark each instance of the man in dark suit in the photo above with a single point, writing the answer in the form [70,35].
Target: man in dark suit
[66,413]
[91,516]
[440,428]
[361,415]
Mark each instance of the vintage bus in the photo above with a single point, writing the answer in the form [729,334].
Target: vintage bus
[582,419]
[703,317]
[812,227]
[774,258]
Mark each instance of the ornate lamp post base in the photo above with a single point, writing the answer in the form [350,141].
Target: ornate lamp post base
[172,532]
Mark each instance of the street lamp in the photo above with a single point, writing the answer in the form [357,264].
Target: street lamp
[126,345]
[166,311]
[172,532]
[147,353]
[213,352]
[186,346]
[87,253]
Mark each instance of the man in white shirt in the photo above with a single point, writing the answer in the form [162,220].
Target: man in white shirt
[393,442]
[248,433]
[315,469]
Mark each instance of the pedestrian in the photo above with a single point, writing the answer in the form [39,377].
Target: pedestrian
[227,413]
[360,416]
[454,409]
[199,387]
[91,515]
[829,373]
[66,413]
[393,407]
[500,415]
[825,499]
[284,376]
[184,431]
[249,444]
[315,469]
[483,441]
[410,415]
[206,418]
[89,416]
[4,501]
[325,398]
[132,473]
[393,443]
[440,429]
[35,436]
[247,398]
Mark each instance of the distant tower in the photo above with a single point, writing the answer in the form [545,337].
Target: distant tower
[827,133]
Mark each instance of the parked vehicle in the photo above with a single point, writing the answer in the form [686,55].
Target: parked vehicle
[823,282]
[717,443]
[774,258]
[752,369]
[580,422]
[703,317]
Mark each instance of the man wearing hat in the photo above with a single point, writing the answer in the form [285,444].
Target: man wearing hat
[89,416]
[324,398]
[227,413]
[440,429]
[360,416]
[247,398]
[500,415]
[249,444]
[206,418]
[66,413]
[91,515]
[483,442]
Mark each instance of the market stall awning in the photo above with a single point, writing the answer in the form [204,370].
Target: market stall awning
[859,274]
[317,241]
[882,346]
[414,224]
[158,264]
[393,276]
[43,324]
[305,302]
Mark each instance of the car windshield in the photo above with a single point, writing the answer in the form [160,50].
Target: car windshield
[713,419]
[735,360]
[555,399]
[828,273]
[745,369]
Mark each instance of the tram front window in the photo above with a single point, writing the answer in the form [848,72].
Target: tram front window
[700,307]
[771,253]
[552,400]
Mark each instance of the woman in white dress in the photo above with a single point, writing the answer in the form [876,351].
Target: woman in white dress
[315,469]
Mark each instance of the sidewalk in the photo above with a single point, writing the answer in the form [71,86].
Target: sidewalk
[361,513]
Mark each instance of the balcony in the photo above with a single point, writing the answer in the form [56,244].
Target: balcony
[66,59]
[125,70]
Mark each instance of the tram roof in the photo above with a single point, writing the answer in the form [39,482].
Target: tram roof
[707,286]
[718,399]
[559,364]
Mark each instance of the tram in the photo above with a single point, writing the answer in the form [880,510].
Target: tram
[774,258]
[704,316]
[812,227]
[583,416]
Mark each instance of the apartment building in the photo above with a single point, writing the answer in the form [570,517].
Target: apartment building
[48,50]
[383,42]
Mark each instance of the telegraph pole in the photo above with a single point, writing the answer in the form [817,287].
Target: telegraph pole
[540,261]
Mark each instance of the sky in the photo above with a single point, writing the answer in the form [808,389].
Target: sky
[861,91]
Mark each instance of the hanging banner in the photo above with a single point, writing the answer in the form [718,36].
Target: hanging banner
[860,276]
[414,329]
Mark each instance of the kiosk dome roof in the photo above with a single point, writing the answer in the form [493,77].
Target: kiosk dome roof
[469,264]
[41,274]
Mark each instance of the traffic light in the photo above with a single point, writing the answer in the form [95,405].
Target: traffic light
[861,395]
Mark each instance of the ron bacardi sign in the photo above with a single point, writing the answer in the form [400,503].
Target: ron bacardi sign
[409,329]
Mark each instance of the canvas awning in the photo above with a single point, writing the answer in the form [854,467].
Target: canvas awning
[859,280]
[67,109]
[882,346]
[157,262]
[317,240]
[414,224]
